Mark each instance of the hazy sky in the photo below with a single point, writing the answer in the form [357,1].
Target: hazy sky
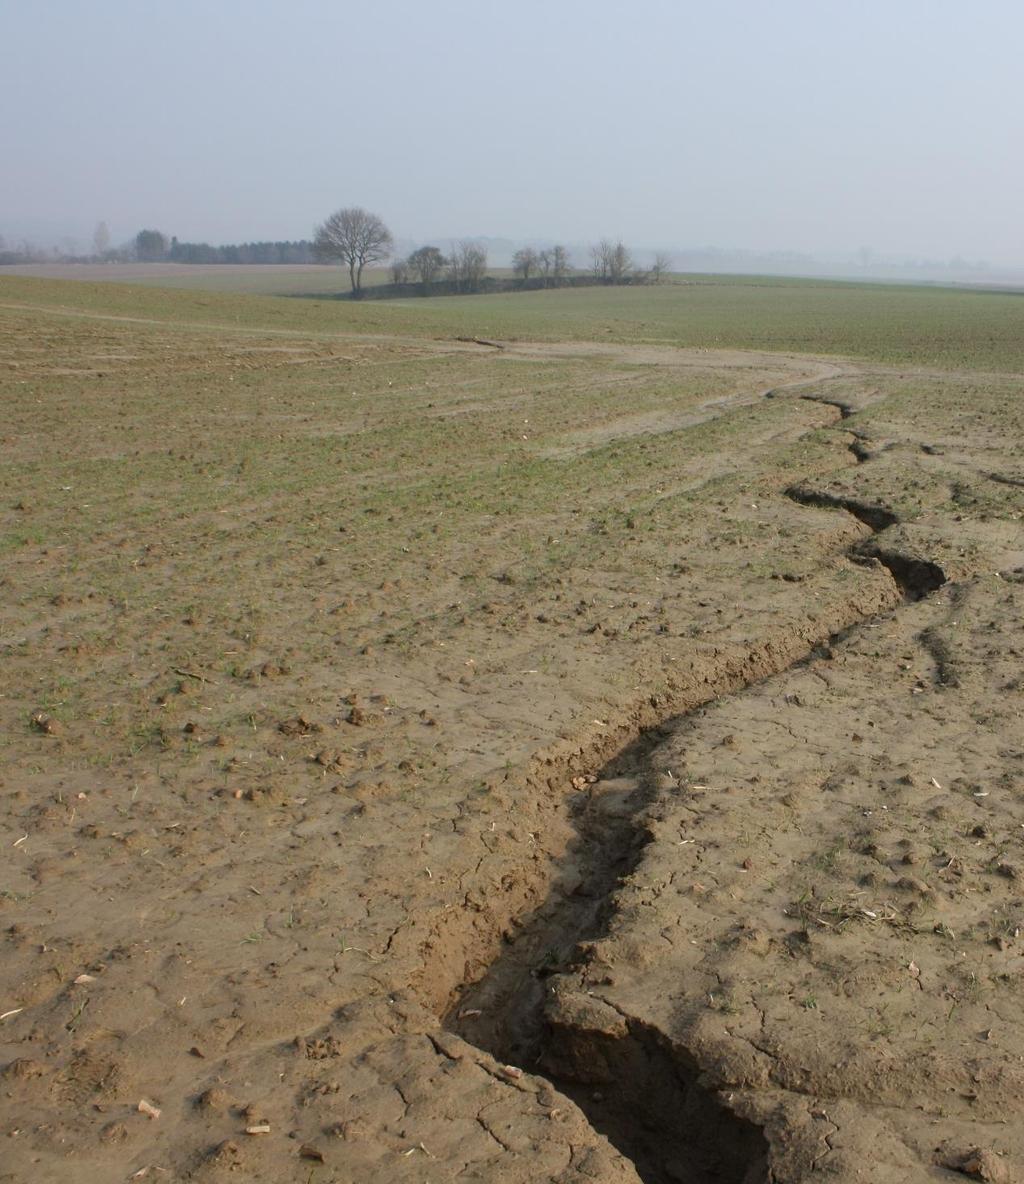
[814,125]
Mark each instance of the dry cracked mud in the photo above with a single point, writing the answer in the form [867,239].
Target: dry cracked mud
[607,766]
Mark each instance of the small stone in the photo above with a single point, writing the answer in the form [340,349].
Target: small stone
[226,1155]
[980,1164]
[23,1069]
[213,1099]
[912,884]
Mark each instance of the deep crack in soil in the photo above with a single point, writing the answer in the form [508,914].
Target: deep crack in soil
[635,1085]
[915,577]
[876,517]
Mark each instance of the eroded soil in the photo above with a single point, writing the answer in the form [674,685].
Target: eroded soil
[549,763]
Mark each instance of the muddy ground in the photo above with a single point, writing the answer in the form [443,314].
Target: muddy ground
[428,761]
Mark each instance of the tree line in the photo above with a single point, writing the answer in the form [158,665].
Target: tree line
[464,268]
[357,238]
[151,246]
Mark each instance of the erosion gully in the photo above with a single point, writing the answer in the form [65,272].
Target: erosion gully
[653,1109]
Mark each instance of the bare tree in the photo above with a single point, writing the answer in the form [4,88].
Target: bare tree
[600,254]
[101,240]
[611,262]
[620,263]
[426,264]
[524,262]
[559,263]
[353,236]
[399,271]
[661,266]
[467,265]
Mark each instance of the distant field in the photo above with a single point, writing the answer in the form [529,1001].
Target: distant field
[259,278]
[896,324]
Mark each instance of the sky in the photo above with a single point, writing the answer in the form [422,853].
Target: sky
[817,126]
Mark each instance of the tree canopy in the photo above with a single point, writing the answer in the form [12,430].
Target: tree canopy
[353,236]
[426,264]
[150,246]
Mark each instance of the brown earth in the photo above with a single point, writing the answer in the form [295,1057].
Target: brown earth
[555,763]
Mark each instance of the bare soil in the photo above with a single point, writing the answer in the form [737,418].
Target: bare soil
[577,763]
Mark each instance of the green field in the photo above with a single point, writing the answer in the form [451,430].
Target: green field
[895,324]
